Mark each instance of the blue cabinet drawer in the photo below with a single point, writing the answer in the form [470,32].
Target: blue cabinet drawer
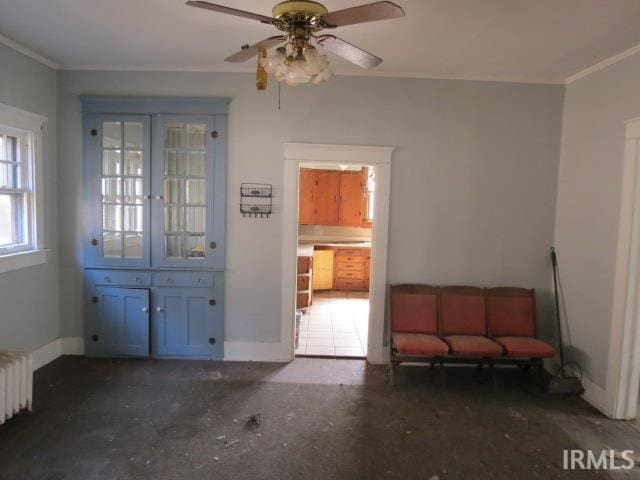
[183,279]
[125,278]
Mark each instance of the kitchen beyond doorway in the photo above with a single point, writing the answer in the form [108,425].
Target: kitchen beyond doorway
[335,220]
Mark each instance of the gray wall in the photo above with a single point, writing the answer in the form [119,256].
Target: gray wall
[588,210]
[29,297]
[473,177]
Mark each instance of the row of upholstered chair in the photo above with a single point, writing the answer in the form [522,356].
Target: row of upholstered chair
[461,324]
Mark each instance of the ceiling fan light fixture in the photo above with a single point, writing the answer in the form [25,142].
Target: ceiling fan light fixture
[304,66]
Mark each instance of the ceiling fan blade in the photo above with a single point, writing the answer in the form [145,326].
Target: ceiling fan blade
[363,13]
[348,51]
[253,50]
[231,11]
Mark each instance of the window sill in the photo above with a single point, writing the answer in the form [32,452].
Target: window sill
[20,260]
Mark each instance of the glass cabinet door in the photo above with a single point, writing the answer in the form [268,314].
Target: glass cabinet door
[183,184]
[121,180]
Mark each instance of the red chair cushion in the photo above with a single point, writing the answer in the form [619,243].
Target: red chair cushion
[463,314]
[414,312]
[419,344]
[511,316]
[473,346]
[525,347]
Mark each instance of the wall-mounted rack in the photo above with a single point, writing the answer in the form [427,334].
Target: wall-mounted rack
[261,195]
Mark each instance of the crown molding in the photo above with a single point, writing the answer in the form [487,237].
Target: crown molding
[28,52]
[603,64]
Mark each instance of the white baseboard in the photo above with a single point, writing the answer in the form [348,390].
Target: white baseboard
[54,349]
[255,351]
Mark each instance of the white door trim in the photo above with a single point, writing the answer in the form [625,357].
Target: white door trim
[624,348]
[378,157]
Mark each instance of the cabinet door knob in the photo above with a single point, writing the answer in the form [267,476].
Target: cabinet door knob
[200,280]
[94,241]
[107,279]
[159,309]
[138,280]
[145,309]
[170,281]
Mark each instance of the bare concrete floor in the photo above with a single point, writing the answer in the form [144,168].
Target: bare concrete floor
[319,419]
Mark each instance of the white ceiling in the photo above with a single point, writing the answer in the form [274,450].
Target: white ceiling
[512,40]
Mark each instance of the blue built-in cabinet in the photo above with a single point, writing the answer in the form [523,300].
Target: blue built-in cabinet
[154,245]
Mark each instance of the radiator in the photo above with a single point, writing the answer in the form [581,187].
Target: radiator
[16,383]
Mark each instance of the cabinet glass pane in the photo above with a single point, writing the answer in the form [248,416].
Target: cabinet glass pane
[133,191]
[133,245]
[173,246]
[175,135]
[195,219]
[112,244]
[195,164]
[122,189]
[112,134]
[133,219]
[173,191]
[173,222]
[133,163]
[174,164]
[195,246]
[133,133]
[195,133]
[111,190]
[112,217]
[195,192]
[111,162]
[185,189]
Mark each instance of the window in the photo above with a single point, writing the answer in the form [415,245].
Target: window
[15,191]
[21,239]
[370,194]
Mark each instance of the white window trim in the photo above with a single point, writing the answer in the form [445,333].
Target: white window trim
[13,117]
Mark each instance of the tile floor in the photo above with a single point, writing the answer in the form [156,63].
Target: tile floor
[335,325]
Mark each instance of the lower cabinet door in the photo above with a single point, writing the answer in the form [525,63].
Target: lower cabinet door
[119,323]
[188,322]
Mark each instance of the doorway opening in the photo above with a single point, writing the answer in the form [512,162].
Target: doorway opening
[378,157]
[336,214]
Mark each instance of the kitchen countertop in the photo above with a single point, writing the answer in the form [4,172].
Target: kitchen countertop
[305,246]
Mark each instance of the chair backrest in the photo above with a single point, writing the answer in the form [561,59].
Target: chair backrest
[414,309]
[511,312]
[463,311]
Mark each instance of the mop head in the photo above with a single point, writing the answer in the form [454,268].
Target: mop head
[564,383]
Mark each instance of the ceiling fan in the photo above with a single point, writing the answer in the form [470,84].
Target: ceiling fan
[297,60]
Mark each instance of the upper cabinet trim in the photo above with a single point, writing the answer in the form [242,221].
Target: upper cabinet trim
[153,105]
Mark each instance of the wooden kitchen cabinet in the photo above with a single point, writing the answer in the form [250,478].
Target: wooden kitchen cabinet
[366,277]
[326,194]
[306,213]
[304,279]
[323,269]
[331,197]
[351,199]
[349,269]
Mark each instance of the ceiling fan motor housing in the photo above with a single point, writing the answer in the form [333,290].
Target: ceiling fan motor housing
[299,13]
